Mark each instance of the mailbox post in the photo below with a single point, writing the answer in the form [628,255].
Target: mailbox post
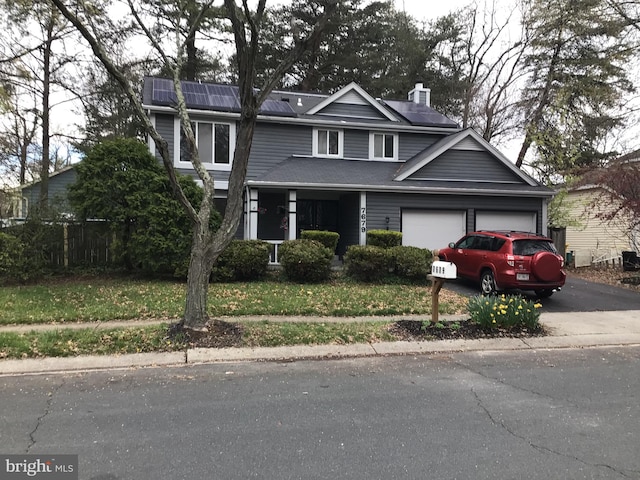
[440,272]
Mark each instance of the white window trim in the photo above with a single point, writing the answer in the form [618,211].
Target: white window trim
[340,142]
[209,166]
[396,146]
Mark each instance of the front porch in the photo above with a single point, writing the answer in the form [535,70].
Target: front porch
[279,215]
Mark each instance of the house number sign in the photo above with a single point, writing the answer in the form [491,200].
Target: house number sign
[363,220]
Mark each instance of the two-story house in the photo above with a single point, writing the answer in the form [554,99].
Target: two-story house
[350,163]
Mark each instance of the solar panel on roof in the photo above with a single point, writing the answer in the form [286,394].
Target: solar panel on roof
[212,97]
[221,90]
[419,114]
[223,102]
[195,99]
[277,107]
[162,84]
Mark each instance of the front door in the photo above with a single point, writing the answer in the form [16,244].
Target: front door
[317,215]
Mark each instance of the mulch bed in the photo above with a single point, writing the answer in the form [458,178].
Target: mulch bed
[417,330]
[220,335]
[224,334]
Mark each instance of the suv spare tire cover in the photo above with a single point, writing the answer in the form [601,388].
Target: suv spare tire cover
[546,266]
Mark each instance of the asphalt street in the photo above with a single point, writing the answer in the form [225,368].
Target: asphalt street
[569,414]
[576,296]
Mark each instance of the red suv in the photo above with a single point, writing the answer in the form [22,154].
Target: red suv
[502,260]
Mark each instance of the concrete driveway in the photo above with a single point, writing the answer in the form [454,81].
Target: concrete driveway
[576,296]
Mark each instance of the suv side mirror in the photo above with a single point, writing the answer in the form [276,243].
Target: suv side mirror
[452,245]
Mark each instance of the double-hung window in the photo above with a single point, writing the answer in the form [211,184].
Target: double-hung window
[328,142]
[215,144]
[383,146]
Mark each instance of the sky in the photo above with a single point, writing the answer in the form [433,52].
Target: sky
[429,9]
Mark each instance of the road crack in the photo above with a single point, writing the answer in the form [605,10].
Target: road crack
[542,448]
[40,420]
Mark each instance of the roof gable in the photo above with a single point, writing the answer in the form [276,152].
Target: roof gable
[467,139]
[353,94]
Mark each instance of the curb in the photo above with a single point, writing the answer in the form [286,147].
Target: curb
[200,356]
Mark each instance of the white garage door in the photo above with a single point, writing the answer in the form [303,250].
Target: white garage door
[520,221]
[432,229]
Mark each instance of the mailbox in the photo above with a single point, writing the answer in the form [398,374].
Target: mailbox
[441,269]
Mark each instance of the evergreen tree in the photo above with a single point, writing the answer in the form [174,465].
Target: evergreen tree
[576,85]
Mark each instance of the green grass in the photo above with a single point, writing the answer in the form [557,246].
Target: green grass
[271,334]
[104,299]
[67,343]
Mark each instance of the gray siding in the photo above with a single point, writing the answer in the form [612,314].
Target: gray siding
[413,143]
[57,192]
[382,205]
[274,143]
[356,144]
[467,165]
[352,111]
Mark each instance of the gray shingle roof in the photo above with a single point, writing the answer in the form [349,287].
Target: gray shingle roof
[339,174]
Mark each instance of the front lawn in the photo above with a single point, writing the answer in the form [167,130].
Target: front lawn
[104,299]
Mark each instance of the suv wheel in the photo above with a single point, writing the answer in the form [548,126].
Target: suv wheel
[487,283]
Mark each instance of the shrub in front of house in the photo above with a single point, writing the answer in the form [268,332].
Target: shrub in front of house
[384,238]
[328,239]
[11,257]
[367,263]
[306,261]
[504,312]
[411,263]
[39,244]
[242,260]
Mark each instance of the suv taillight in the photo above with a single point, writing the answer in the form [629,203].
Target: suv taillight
[511,260]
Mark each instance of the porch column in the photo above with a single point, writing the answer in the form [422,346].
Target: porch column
[253,214]
[293,217]
[363,218]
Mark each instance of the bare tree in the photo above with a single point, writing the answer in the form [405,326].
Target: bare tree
[245,24]
[492,62]
[17,143]
[481,55]
[37,69]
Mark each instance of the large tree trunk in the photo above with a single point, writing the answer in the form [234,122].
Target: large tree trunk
[207,246]
[200,266]
[46,85]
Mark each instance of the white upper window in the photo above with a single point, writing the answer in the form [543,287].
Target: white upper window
[215,143]
[383,146]
[328,142]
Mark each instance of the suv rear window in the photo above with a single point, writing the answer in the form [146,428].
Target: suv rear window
[529,247]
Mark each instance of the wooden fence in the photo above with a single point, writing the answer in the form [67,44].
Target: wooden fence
[69,244]
[82,244]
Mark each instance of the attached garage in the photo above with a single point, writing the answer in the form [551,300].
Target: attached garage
[520,221]
[432,229]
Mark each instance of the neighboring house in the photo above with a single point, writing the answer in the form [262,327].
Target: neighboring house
[594,240]
[350,163]
[30,194]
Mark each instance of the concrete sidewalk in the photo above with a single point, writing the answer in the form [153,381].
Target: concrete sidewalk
[566,330]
